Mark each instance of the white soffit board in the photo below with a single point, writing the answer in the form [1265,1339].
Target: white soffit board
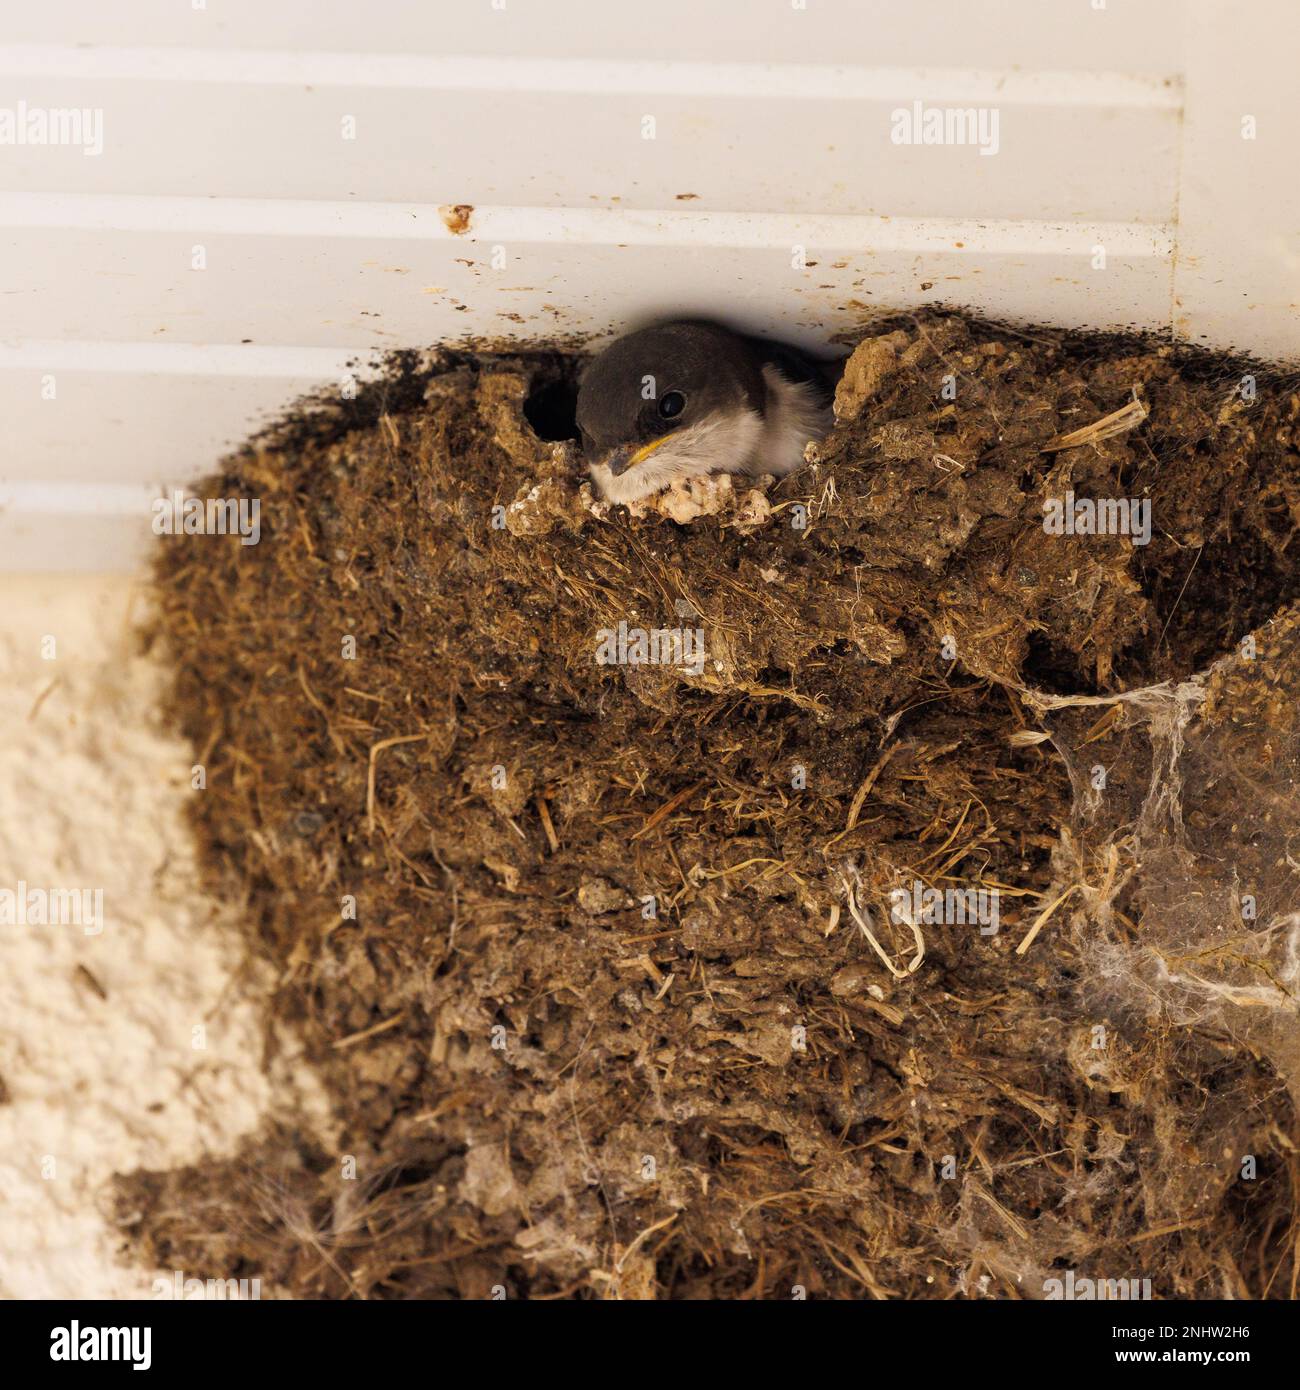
[1237,269]
[963,33]
[305,154]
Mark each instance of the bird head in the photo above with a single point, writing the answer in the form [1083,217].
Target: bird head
[674,401]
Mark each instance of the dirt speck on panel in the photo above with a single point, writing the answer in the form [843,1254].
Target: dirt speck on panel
[456,216]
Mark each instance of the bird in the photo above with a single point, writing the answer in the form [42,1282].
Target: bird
[689,398]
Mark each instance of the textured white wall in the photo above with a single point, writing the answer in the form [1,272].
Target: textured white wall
[1119,125]
[98,1054]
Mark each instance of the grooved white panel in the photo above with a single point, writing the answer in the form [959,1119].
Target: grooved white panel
[734,137]
[1238,265]
[141,412]
[301,155]
[397,276]
[1132,35]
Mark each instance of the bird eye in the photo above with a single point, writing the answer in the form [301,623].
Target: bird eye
[671,404]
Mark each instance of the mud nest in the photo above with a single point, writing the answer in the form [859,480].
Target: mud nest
[601,959]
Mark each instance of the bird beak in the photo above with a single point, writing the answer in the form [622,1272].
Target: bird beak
[622,459]
[617,461]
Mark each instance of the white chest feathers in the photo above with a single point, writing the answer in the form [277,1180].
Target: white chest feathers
[794,416]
